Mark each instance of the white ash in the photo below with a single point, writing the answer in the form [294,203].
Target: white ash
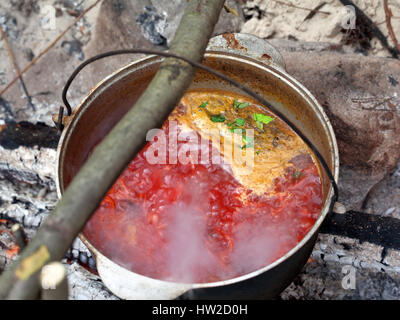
[377,273]
[27,193]
[42,111]
[84,285]
[35,164]
[52,70]
[69,4]
[27,188]
[153,25]
[75,253]
[7,241]
[300,46]
[271,19]
[80,247]
[9,25]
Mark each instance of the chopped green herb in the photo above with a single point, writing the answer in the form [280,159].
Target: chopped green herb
[247,140]
[218,118]
[297,174]
[233,127]
[260,125]
[240,105]
[262,118]
[237,130]
[203,105]
[258,152]
[239,121]
[248,145]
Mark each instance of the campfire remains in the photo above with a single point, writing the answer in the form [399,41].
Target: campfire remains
[28,141]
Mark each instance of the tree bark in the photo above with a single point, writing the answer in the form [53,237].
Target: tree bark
[112,155]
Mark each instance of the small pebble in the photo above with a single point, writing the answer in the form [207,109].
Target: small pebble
[92,263]
[339,208]
[323,246]
[83,258]
[42,193]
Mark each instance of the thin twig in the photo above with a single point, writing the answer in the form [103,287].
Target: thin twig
[41,54]
[314,11]
[231,10]
[301,8]
[384,21]
[17,71]
[388,16]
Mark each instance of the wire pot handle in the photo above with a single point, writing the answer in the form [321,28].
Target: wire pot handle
[214,72]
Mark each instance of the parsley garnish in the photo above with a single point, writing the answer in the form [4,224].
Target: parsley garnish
[262,118]
[260,125]
[218,118]
[249,142]
[240,105]
[239,121]
[236,129]
[247,139]
[249,145]
[203,105]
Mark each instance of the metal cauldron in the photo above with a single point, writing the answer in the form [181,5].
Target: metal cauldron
[242,57]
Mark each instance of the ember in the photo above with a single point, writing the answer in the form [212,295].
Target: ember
[8,243]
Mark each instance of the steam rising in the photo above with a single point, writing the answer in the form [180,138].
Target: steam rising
[257,242]
[189,224]
[188,257]
[189,252]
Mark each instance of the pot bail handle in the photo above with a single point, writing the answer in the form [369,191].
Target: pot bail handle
[237,43]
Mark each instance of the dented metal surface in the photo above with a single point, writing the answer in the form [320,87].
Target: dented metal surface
[248,45]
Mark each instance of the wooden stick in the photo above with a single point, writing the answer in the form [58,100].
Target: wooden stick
[41,54]
[111,156]
[54,282]
[16,68]
[388,16]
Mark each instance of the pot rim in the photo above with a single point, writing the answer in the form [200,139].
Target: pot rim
[278,73]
